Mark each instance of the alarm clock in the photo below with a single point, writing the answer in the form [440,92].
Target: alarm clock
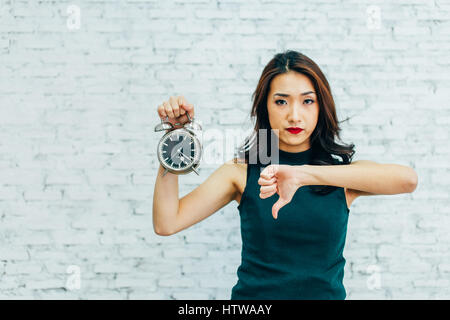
[179,150]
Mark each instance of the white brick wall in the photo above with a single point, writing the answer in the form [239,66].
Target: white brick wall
[77,147]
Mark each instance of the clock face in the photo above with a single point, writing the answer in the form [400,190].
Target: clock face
[178,150]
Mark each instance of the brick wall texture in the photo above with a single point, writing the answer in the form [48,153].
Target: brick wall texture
[80,82]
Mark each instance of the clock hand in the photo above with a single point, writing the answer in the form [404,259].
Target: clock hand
[186,156]
[177,152]
[183,156]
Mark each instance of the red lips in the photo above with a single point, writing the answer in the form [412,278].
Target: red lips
[294,130]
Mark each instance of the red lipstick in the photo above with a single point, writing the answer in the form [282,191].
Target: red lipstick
[294,130]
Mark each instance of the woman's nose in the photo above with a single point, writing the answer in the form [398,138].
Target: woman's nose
[294,113]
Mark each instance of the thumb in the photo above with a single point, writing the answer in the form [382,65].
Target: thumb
[277,206]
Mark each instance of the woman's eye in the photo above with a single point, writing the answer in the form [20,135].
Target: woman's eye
[278,102]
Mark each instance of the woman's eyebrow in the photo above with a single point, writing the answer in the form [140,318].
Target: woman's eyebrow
[286,95]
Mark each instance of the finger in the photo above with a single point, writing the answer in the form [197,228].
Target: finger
[189,108]
[162,112]
[265,182]
[182,101]
[268,172]
[168,110]
[265,189]
[175,107]
[266,195]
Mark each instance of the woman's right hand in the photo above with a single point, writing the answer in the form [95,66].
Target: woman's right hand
[175,109]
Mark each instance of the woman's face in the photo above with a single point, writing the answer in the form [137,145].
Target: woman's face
[292,102]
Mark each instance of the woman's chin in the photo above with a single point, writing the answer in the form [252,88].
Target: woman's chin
[293,141]
[293,138]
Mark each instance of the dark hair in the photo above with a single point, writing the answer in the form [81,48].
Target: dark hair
[322,140]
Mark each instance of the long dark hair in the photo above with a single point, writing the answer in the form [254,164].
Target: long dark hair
[324,148]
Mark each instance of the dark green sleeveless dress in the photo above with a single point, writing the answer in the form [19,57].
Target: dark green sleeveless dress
[299,255]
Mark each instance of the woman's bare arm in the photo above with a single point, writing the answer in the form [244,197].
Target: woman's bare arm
[362,177]
[165,202]
[368,177]
[171,215]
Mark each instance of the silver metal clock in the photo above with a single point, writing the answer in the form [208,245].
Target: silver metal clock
[179,150]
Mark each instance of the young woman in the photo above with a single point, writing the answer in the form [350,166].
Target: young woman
[293,241]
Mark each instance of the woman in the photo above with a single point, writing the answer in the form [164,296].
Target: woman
[293,242]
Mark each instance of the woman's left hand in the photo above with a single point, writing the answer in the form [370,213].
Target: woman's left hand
[280,179]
